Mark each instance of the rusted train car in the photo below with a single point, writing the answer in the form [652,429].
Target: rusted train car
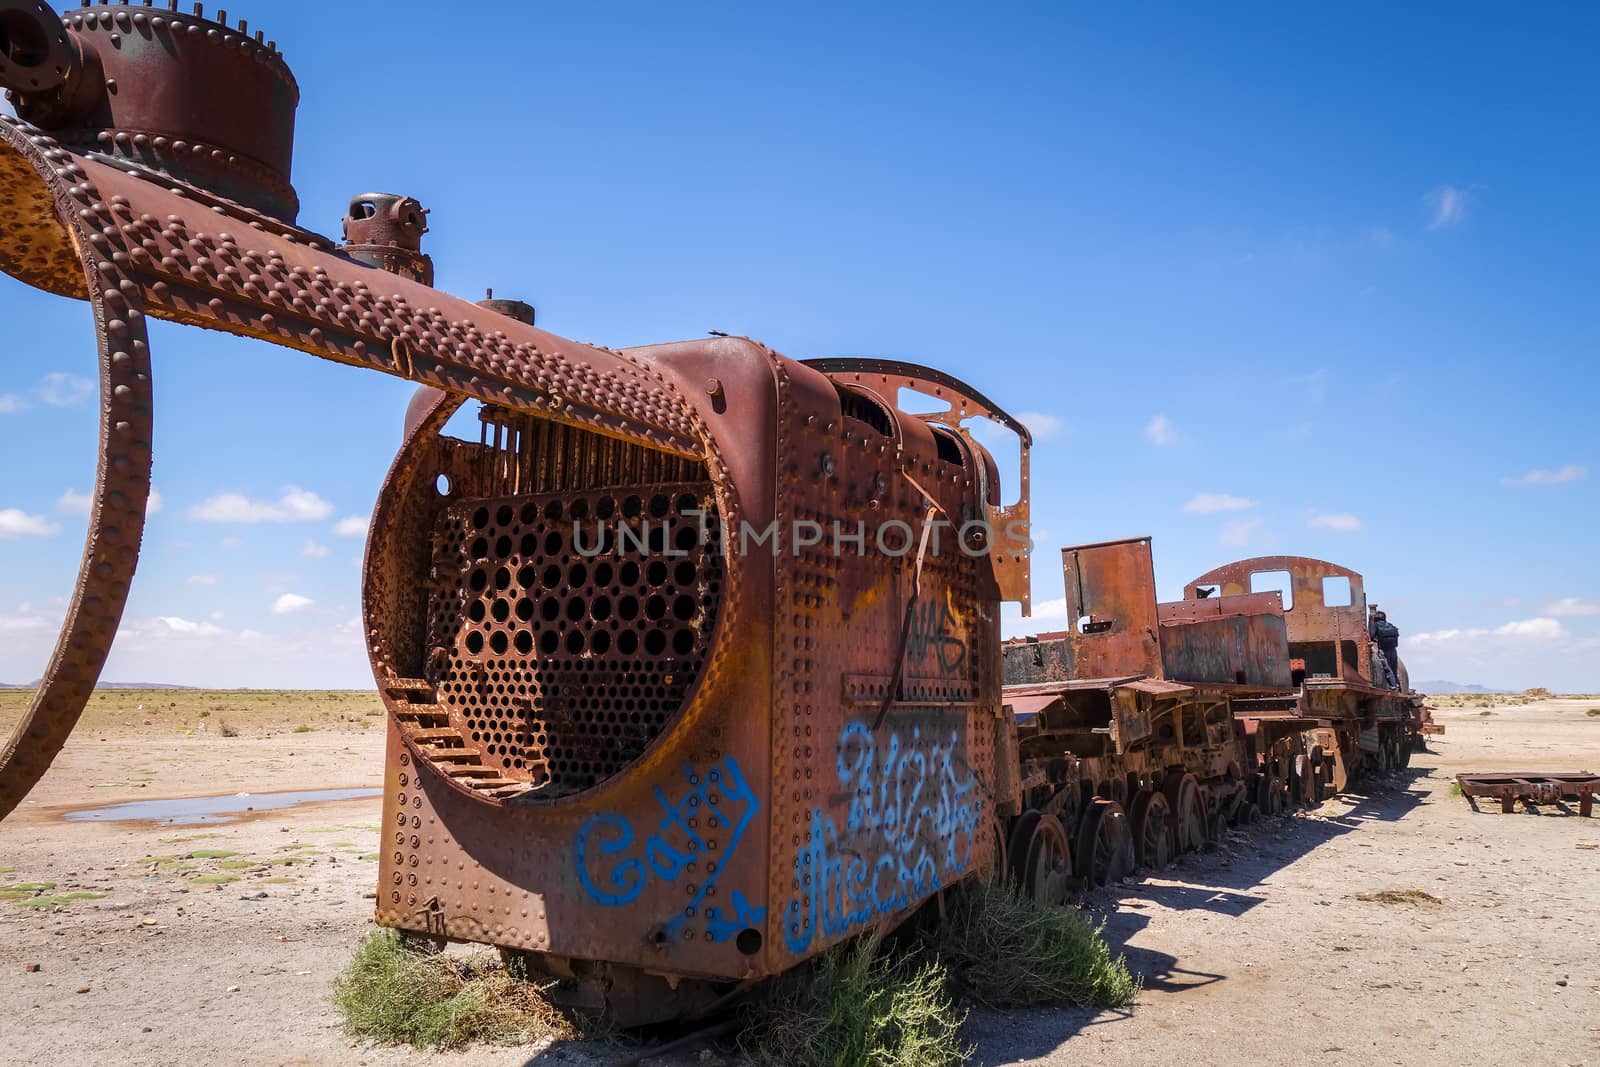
[1365,712]
[1126,733]
[1146,728]
[681,690]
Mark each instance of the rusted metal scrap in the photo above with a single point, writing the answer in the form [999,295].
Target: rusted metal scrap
[681,690]
[1532,787]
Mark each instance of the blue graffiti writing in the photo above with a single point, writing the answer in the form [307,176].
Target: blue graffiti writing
[909,827]
[614,872]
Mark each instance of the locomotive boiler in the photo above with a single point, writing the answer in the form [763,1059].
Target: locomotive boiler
[691,656]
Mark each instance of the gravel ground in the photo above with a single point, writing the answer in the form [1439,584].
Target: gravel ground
[1260,953]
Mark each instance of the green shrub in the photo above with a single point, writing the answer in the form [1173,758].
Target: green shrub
[1006,950]
[856,1006]
[390,993]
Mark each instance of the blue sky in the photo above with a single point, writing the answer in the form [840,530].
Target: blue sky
[1263,278]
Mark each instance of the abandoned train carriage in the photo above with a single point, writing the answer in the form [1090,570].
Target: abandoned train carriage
[1147,727]
[661,716]
[1124,722]
[1366,715]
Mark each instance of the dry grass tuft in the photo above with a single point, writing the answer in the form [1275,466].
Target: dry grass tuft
[390,993]
[857,1006]
[1400,896]
[896,1008]
[1005,950]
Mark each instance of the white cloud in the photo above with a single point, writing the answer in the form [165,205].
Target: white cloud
[188,651]
[1570,473]
[1042,426]
[202,579]
[1047,615]
[1050,610]
[1541,629]
[1211,503]
[184,626]
[64,390]
[314,550]
[73,502]
[1237,532]
[351,526]
[293,505]
[1314,386]
[15,523]
[1161,431]
[1571,607]
[10,403]
[1448,205]
[19,623]
[153,505]
[289,603]
[1538,629]
[1344,523]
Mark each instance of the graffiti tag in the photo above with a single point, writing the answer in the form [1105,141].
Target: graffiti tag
[614,871]
[933,627]
[909,827]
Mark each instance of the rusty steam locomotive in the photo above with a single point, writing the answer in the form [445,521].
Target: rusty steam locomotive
[684,684]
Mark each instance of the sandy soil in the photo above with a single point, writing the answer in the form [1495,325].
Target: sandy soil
[1264,953]
[1261,953]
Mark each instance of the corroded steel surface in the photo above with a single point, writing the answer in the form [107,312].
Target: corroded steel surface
[691,657]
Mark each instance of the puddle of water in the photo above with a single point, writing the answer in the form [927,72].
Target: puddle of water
[187,811]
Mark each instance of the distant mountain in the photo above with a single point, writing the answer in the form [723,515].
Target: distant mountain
[104,685]
[1445,688]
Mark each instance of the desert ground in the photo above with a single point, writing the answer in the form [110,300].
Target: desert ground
[161,944]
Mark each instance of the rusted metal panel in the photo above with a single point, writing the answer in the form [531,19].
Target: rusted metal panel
[1221,607]
[1239,649]
[1111,602]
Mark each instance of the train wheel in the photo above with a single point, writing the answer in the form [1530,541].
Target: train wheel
[1218,829]
[1302,787]
[1048,873]
[1402,752]
[1105,844]
[1152,829]
[1188,817]
[1272,801]
[1249,814]
[1319,774]
[1264,793]
[1017,844]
